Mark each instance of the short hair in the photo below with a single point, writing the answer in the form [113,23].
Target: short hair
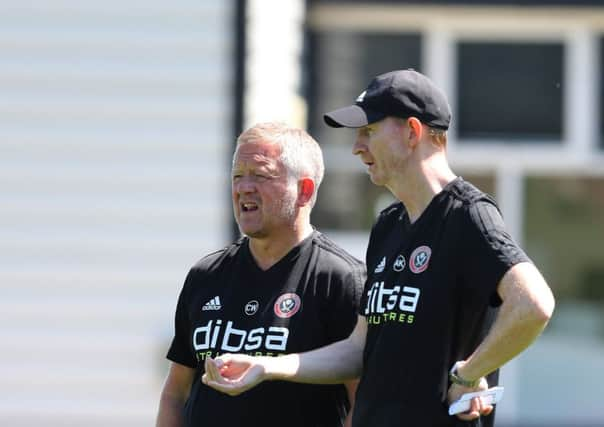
[300,152]
[437,136]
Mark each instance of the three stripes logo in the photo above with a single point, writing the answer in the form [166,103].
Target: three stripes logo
[213,304]
[380,267]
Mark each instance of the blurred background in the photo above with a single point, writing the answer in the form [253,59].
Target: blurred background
[117,126]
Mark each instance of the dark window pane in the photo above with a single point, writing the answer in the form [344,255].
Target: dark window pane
[510,91]
[387,52]
[484,182]
[341,64]
[564,229]
[349,201]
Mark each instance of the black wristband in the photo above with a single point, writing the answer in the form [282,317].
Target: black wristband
[456,379]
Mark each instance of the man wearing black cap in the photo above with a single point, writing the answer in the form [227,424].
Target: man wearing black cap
[449,296]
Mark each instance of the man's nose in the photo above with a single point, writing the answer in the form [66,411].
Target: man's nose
[244,184]
[360,144]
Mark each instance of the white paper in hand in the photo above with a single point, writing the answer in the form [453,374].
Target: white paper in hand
[489,397]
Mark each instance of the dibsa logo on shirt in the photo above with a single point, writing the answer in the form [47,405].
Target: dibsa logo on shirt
[287,305]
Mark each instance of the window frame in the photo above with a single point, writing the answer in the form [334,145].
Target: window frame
[442,27]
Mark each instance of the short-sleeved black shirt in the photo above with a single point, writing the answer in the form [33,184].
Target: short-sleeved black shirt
[308,299]
[429,300]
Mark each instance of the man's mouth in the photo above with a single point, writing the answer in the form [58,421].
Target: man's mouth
[249,207]
[366,162]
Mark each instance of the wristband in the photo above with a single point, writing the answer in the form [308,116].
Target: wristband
[456,379]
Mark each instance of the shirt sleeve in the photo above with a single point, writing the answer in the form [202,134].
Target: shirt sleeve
[489,252]
[344,303]
[180,350]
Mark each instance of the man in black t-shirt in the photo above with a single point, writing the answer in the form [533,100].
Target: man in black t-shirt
[281,288]
[449,298]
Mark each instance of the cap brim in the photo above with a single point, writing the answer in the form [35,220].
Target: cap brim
[352,116]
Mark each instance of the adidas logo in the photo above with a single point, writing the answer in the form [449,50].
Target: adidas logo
[213,304]
[380,267]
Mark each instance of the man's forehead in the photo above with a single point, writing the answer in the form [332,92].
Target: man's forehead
[260,153]
[266,148]
[371,126]
[386,121]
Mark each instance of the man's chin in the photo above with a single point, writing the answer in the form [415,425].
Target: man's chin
[375,180]
[253,233]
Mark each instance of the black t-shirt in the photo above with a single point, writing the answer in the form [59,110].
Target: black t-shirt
[430,299]
[229,305]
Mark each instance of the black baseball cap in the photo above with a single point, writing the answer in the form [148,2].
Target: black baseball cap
[401,93]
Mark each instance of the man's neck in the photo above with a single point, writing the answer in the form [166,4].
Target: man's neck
[417,191]
[268,251]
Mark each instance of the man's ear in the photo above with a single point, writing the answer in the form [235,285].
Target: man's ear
[306,189]
[415,130]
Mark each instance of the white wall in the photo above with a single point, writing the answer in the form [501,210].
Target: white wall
[114,153]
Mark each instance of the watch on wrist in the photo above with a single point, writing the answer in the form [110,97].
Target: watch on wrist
[456,379]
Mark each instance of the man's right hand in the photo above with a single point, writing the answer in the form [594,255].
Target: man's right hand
[234,373]
[336,363]
[477,406]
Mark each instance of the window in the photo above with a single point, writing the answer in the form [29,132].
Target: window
[343,63]
[341,66]
[564,230]
[510,91]
[484,182]
[350,201]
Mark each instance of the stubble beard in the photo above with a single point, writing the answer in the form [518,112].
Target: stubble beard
[287,207]
[284,212]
